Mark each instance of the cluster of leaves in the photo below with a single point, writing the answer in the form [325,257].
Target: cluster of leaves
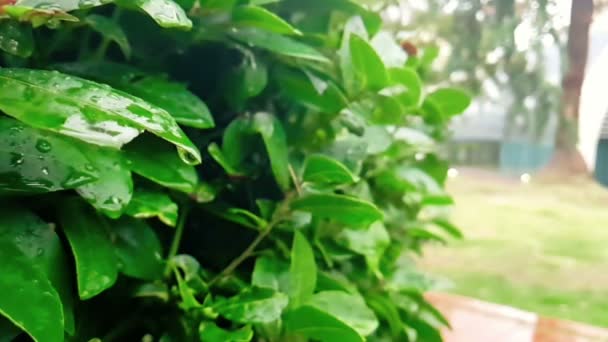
[215,170]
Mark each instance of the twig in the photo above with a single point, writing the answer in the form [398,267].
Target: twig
[294,179]
[177,238]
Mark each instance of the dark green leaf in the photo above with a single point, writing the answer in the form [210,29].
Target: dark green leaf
[218,4]
[271,273]
[210,332]
[252,306]
[299,88]
[323,170]
[111,31]
[277,43]
[273,134]
[259,17]
[147,204]
[345,209]
[450,101]
[218,155]
[245,81]
[302,271]
[96,265]
[86,110]
[38,241]
[16,38]
[33,160]
[28,298]
[155,160]
[112,191]
[137,248]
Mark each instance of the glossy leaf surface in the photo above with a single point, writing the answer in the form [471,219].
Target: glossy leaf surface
[323,170]
[137,248]
[147,204]
[86,110]
[252,306]
[96,264]
[345,209]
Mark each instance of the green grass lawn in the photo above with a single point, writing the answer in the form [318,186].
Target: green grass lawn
[542,247]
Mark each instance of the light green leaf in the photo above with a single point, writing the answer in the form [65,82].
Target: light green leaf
[218,155]
[86,110]
[111,31]
[450,101]
[252,306]
[302,271]
[96,264]
[175,98]
[112,191]
[273,134]
[348,308]
[210,332]
[411,81]
[259,17]
[323,170]
[370,243]
[348,210]
[39,242]
[155,160]
[277,43]
[317,324]
[33,160]
[137,248]
[367,63]
[166,13]
[147,204]
[271,273]
[16,38]
[24,287]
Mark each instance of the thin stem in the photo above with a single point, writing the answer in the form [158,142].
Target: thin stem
[294,179]
[248,251]
[177,238]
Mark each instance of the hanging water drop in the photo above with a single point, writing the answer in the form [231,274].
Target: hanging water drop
[45,171]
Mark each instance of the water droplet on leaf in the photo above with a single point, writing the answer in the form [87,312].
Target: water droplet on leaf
[43,146]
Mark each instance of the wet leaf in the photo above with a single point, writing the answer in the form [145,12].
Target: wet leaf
[86,110]
[96,264]
[16,38]
[166,13]
[252,306]
[33,160]
[344,209]
[259,17]
[137,248]
[147,204]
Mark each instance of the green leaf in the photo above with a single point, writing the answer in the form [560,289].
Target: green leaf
[111,31]
[86,110]
[166,13]
[271,273]
[155,160]
[245,81]
[317,324]
[323,170]
[16,38]
[348,308]
[298,87]
[277,43]
[33,160]
[37,12]
[147,204]
[348,210]
[137,249]
[367,63]
[273,134]
[252,306]
[448,227]
[218,155]
[259,17]
[38,241]
[112,191]
[174,97]
[210,332]
[370,243]
[450,101]
[302,271]
[218,4]
[409,78]
[96,266]
[28,299]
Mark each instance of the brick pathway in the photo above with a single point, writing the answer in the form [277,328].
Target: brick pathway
[477,321]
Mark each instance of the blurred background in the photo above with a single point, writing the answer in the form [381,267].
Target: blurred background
[530,156]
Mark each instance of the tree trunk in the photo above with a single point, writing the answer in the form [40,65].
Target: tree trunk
[567,158]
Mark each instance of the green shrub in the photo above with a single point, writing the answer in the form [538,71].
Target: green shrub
[215,170]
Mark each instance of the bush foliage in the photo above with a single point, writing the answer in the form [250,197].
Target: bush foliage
[215,170]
